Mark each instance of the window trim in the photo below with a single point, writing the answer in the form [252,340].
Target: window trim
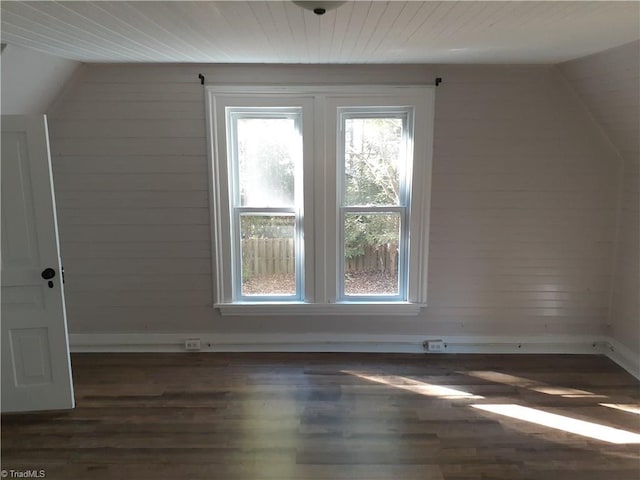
[320,289]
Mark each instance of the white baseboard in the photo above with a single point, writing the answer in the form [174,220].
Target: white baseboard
[174,342]
[623,356]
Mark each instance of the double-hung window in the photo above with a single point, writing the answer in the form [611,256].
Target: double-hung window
[266,202]
[374,153]
[320,198]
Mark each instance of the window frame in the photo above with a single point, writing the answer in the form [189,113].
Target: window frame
[320,194]
[405,114]
[237,210]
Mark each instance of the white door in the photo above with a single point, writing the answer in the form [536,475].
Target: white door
[36,369]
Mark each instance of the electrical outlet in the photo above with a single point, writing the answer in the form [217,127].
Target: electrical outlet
[192,344]
[433,345]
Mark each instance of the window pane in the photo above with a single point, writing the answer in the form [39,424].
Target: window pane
[372,149]
[268,151]
[268,255]
[371,254]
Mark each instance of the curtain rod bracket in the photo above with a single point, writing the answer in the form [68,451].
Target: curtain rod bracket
[438,81]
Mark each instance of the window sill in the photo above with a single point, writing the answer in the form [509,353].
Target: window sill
[301,308]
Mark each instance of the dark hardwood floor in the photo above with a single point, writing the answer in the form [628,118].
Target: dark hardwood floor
[332,416]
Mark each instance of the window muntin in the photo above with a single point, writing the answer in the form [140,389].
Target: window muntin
[265,185]
[374,172]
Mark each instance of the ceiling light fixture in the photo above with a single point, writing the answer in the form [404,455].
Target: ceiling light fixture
[318,7]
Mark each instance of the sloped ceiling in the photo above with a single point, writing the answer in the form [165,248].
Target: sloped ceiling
[609,85]
[31,80]
[356,32]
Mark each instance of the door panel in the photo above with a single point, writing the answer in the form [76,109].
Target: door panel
[30,346]
[19,246]
[36,370]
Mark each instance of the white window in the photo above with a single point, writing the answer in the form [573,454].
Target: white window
[375,158]
[320,198]
[264,148]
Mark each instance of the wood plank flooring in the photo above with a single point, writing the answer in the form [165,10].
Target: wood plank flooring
[329,417]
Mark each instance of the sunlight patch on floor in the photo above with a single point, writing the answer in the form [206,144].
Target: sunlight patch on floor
[534,385]
[560,422]
[625,407]
[416,386]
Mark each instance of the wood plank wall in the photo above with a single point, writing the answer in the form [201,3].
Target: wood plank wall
[522,202]
[609,85]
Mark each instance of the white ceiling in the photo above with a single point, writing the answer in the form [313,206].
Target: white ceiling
[357,32]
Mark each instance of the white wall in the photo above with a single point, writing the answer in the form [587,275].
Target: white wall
[521,228]
[609,85]
[31,80]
